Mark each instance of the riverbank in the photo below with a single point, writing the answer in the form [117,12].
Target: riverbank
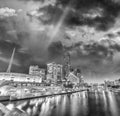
[76,104]
[8,93]
[33,97]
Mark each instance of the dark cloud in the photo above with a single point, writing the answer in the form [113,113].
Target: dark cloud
[102,48]
[111,35]
[118,33]
[33,0]
[67,37]
[100,14]
[33,44]
[56,49]
[103,21]
[51,14]
[25,59]
[95,50]
[16,34]
[7,46]
[92,57]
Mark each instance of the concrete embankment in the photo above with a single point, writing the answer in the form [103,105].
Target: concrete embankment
[49,95]
[17,112]
[41,96]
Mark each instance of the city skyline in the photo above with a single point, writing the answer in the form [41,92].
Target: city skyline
[43,30]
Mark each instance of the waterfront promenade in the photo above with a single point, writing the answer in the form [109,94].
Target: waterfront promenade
[77,104]
[39,96]
[18,112]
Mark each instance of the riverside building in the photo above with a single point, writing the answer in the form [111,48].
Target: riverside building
[18,78]
[54,71]
[37,72]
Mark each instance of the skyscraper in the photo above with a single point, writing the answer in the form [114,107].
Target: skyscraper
[37,72]
[66,64]
[78,73]
[54,71]
[72,78]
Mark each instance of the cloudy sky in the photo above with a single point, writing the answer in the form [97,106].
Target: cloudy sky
[43,30]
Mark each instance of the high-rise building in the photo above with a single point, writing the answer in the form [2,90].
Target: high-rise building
[54,71]
[36,71]
[67,64]
[82,80]
[59,71]
[80,76]
[72,78]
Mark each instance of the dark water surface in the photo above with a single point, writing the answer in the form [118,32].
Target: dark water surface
[77,104]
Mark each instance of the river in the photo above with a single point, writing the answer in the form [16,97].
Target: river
[77,104]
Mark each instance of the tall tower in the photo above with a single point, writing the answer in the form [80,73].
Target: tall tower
[54,71]
[11,61]
[67,64]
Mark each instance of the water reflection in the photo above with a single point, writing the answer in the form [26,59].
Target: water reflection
[77,104]
[113,104]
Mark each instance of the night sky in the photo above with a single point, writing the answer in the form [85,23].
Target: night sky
[43,30]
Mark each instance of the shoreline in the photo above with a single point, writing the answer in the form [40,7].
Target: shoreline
[42,96]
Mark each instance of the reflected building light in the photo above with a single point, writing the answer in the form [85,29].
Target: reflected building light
[10,106]
[84,103]
[83,95]
[40,100]
[104,100]
[84,99]
[58,103]
[52,99]
[20,106]
[79,94]
[42,109]
[35,110]
[29,111]
[63,105]
[45,109]
[113,104]
[57,100]
[37,103]
[74,105]
[96,97]
[32,102]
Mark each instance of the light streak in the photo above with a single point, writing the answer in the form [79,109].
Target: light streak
[55,29]
[113,104]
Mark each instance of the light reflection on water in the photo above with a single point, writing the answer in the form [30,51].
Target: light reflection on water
[113,104]
[77,104]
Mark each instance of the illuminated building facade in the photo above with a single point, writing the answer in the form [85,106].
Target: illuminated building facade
[72,78]
[36,71]
[66,64]
[19,77]
[32,77]
[80,76]
[54,71]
